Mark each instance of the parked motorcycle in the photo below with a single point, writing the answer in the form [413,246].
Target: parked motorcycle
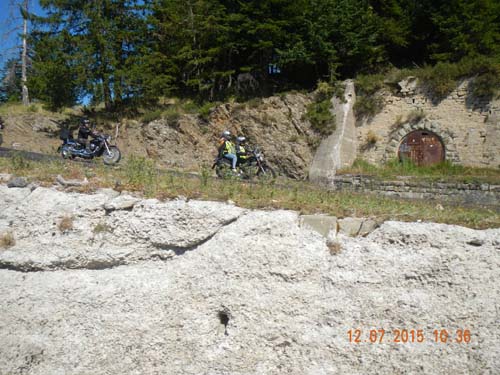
[253,166]
[99,146]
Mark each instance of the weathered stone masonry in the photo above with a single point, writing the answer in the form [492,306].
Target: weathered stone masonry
[486,194]
[469,128]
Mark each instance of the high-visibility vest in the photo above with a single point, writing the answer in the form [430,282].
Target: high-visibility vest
[242,153]
[229,148]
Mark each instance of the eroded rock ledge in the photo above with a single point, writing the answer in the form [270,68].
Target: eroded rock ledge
[192,287]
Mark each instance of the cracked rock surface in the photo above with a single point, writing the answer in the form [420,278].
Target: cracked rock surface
[198,287]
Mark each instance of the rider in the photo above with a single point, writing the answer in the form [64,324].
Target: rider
[241,151]
[84,131]
[227,149]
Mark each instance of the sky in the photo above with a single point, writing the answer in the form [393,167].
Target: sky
[11,27]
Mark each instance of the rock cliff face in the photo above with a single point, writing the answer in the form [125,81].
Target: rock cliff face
[108,284]
[275,124]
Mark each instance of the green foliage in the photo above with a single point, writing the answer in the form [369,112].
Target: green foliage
[151,116]
[321,117]
[102,227]
[368,103]
[124,53]
[10,81]
[19,162]
[140,171]
[205,110]
[445,171]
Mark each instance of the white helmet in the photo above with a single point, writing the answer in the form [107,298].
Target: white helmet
[226,134]
[241,139]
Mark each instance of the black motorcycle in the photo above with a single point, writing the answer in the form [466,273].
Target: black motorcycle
[254,165]
[99,146]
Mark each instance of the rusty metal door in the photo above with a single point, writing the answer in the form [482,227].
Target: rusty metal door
[422,147]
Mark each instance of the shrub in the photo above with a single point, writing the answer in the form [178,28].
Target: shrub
[102,227]
[415,116]
[7,240]
[254,103]
[205,110]
[19,162]
[172,116]
[371,138]
[368,106]
[151,116]
[321,117]
[368,102]
[440,79]
[324,92]
[140,171]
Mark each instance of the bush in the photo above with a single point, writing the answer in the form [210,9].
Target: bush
[205,110]
[151,116]
[371,138]
[102,227]
[7,240]
[140,171]
[415,116]
[172,116]
[440,79]
[321,118]
[368,103]
[19,162]
[368,106]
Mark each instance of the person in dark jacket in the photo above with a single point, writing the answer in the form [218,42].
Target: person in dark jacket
[85,131]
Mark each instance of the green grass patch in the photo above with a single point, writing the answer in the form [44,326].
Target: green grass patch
[445,171]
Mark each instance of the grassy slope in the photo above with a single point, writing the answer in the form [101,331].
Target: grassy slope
[141,175]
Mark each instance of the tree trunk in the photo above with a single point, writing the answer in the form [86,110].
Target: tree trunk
[24,60]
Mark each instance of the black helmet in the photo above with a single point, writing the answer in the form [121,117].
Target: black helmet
[85,121]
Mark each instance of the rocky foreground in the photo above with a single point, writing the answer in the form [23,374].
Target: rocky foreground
[115,284]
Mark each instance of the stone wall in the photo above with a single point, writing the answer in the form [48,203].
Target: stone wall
[469,128]
[464,193]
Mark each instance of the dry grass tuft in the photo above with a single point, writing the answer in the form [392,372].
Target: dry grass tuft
[7,240]
[334,247]
[66,224]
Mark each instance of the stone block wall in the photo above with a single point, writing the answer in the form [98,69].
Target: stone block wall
[461,193]
[469,128]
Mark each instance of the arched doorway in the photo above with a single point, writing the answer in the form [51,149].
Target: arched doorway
[423,147]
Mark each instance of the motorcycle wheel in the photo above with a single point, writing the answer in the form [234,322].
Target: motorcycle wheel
[113,157]
[267,174]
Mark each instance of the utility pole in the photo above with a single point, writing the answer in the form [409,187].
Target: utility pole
[24,58]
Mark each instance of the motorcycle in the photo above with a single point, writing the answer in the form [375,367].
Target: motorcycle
[253,165]
[99,146]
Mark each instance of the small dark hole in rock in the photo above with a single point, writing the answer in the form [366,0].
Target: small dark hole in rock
[224,319]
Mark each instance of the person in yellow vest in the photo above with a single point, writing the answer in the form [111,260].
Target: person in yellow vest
[241,151]
[227,148]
